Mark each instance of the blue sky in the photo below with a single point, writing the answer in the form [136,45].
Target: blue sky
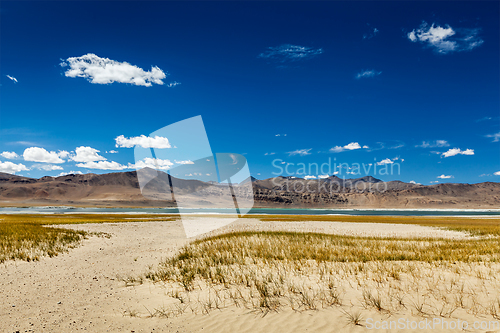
[409,83]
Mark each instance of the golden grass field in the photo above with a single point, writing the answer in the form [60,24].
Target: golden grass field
[269,271]
[26,237]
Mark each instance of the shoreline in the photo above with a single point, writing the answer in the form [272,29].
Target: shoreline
[256,212]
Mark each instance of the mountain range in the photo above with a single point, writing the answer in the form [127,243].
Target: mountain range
[122,189]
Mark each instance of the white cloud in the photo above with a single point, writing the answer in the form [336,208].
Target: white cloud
[47,167]
[323,176]
[433,144]
[336,149]
[496,136]
[143,141]
[112,152]
[496,173]
[310,177]
[386,161]
[367,73]
[280,135]
[62,153]
[234,158]
[445,40]
[70,173]
[104,71]
[445,177]
[103,165]
[152,163]
[87,154]
[9,155]
[12,168]
[12,78]
[184,162]
[173,84]
[457,151]
[434,182]
[288,52]
[414,182]
[350,146]
[266,154]
[301,152]
[365,147]
[37,154]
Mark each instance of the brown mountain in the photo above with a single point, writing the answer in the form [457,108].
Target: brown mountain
[121,189]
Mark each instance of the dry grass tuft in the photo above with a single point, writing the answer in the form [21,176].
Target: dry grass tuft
[28,237]
[267,271]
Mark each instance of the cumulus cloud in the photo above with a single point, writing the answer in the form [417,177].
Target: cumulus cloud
[433,144]
[457,151]
[266,154]
[386,161]
[184,162]
[310,177]
[104,71]
[12,78]
[9,155]
[367,73]
[323,176]
[70,173]
[12,168]
[103,165]
[288,52]
[142,141]
[350,146]
[62,153]
[434,182]
[154,163]
[496,173]
[301,152]
[112,152]
[87,154]
[496,136]
[445,177]
[445,39]
[37,154]
[47,167]
[414,182]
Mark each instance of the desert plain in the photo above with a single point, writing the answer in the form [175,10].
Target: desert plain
[260,275]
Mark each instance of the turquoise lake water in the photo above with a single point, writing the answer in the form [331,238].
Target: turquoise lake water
[269,211]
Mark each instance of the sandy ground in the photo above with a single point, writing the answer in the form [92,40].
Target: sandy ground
[82,290]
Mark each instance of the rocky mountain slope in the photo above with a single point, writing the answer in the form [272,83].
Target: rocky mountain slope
[123,189]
